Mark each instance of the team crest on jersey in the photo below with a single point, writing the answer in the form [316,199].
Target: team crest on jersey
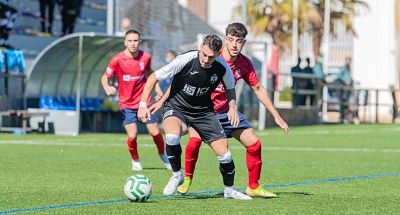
[214,78]
[141,64]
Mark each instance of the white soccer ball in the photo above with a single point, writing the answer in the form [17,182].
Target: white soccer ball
[138,188]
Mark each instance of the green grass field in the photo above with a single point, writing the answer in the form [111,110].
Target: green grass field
[330,169]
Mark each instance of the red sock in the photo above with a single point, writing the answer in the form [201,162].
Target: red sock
[159,141]
[132,147]
[191,155]
[254,163]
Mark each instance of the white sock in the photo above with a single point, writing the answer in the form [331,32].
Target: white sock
[177,174]
[229,189]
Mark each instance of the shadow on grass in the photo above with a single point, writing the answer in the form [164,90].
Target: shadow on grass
[192,196]
[281,194]
[154,168]
[220,195]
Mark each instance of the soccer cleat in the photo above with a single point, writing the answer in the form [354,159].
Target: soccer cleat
[234,194]
[165,161]
[184,187]
[136,166]
[173,183]
[260,191]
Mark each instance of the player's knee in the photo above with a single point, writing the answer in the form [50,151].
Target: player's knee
[132,136]
[225,158]
[172,139]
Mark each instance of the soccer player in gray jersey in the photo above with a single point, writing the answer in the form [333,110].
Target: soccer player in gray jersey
[195,76]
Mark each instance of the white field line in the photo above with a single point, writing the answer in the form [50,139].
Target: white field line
[335,131]
[122,144]
[122,138]
[331,149]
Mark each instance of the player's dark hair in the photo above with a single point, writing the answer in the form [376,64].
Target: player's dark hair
[213,42]
[236,29]
[132,32]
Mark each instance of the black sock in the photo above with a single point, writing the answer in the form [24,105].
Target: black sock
[228,172]
[174,156]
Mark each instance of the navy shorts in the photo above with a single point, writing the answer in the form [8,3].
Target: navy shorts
[208,126]
[129,116]
[226,124]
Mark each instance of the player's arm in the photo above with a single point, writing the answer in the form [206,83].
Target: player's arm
[161,74]
[110,90]
[159,103]
[157,88]
[143,111]
[262,95]
[229,83]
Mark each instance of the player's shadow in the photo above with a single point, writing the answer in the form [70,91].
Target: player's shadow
[190,196]
[281,194]
[221,195]
[154,168]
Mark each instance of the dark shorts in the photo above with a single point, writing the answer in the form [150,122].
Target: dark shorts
[129,116]
[207,125]
[226,124]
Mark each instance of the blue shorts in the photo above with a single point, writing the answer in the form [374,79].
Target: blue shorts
[226,124]
[129,116]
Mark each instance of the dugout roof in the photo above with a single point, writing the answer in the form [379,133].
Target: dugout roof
[55,70]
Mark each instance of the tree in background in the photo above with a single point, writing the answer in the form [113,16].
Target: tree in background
[275,17]
[341,10]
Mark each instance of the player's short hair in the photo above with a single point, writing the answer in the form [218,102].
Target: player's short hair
[236,29]
[132,31]
[213,42]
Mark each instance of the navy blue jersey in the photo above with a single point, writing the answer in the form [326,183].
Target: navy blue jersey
[192,84]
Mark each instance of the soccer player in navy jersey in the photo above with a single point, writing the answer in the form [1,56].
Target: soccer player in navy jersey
[242,68]
[195,75]
[132,66]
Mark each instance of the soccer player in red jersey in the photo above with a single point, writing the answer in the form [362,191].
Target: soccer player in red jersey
[242,68]
[132,66]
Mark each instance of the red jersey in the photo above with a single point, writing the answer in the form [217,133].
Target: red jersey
[242,68]
[131,74]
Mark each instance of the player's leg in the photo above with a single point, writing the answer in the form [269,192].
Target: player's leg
[211,131]
[191,155]
[154,131]
[131,142]
[129,121]
[227,169]
[42,9]
[250,141]
[173,127]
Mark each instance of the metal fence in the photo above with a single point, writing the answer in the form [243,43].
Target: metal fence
[368,105]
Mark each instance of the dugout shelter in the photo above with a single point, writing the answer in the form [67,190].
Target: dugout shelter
[64,80]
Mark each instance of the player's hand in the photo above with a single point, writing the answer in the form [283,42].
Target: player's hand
[279,121]
[110,90]
[143,113]
[233,116]
[156,106]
